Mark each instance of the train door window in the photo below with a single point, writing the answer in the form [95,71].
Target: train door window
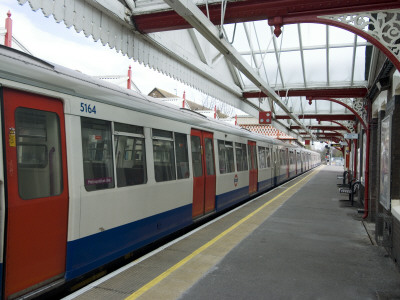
[226,160]
[261,157]
[208,144]
[182,157]
[241,157]
[252,157]
[284,157]
[277,156]
[196,156]
[130,154]
[38,153]
[97,154]
[164,157]
[268,156]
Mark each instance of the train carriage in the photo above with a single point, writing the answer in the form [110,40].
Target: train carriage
[91,172]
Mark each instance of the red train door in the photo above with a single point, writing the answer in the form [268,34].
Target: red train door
[37,191]
[253,167]
[204,179]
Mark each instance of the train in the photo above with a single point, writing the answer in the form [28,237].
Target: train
[91,172]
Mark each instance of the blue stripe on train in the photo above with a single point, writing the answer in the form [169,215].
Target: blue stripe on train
[281,178]
[265,185]
[231,198]
[91,252]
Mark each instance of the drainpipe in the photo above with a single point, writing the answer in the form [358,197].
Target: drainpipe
[355,159]
[366,174]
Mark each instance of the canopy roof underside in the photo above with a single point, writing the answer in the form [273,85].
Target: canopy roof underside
[241,61]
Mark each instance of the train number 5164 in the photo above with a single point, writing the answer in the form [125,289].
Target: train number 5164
[87,108]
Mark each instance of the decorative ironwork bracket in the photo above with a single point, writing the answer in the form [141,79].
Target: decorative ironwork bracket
[358,106]
[384,27]
[349,125]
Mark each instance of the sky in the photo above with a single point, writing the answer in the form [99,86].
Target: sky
[56,43]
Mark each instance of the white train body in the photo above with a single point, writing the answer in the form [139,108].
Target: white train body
[128,171]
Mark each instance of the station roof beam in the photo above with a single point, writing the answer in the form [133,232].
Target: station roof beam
[351,92]
[159,17]
[319,127]
[322,117]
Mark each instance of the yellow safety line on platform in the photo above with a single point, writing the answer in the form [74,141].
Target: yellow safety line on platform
[160,277]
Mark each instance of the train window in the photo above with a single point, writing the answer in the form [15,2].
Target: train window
[130,129]
[283,157]
[241,157]
[268,155]
[163,154]
[261,157]
[130,155]
[182,157]
[226,160]
[252,157]
[38,153]
[162,134]
[31,155]
[97,154]
[196,156]
[291,158]
[209,156]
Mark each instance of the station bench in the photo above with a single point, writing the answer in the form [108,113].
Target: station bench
[350,190]
[344,176]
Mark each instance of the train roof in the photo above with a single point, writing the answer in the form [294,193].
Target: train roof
[26,69]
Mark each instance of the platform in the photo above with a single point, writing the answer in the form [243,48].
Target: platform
[298,241]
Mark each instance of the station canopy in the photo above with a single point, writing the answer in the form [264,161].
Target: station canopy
[228,50]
